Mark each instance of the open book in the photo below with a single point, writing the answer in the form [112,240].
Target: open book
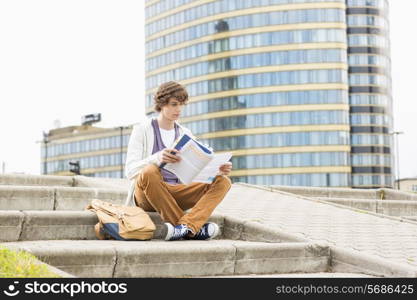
[198,163]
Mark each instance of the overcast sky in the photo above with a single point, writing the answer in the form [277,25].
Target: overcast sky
[60,60]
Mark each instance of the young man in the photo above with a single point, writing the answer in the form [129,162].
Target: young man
[155,189]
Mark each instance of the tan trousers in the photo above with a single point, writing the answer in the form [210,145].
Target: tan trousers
[170,201]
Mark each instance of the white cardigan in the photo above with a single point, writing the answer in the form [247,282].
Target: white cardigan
[139,153]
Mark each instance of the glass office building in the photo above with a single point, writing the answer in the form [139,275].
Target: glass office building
[100,152]
[298,90]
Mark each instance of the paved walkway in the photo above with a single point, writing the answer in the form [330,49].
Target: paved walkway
[394,240]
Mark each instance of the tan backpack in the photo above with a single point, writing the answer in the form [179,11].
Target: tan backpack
[121,222]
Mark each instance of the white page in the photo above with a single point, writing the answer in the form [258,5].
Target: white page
[193,159]
[208,174]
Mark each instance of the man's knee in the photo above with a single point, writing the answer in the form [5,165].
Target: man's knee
[224,181]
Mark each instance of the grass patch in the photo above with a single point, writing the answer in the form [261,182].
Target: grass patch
[21,264]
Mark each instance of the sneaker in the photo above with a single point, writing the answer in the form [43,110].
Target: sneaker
[207,232]
[175,233]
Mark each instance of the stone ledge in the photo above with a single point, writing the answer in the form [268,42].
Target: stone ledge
[329,192]
[55,198]
[34,180]
[11,223]
[360,262]
[63,225]
[398,208]
[27,197]
[175,259]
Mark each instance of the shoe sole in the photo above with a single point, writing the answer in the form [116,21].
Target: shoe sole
[168,231]
[216,231]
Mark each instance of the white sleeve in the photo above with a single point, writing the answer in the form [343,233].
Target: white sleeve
[135,151]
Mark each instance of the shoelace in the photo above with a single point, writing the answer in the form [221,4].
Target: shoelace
[202,232]
[179,232]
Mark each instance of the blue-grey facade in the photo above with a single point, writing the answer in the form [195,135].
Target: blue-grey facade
[100,152]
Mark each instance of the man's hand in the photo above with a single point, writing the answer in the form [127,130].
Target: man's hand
[225,169]
[165,156]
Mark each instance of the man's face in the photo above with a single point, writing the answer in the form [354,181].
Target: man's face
[172,110]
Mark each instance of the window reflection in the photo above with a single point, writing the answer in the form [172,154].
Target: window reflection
[268,120]
[321,179]
[363,59]
[375,3]
[364,20]
[267,79]
[371,180]
[211,8]
[287,160]
[279,140]
[371,160]
[321,15]
[359,99]
[375,139]
[87,145]
[247,41]
[250,61]
[370,119]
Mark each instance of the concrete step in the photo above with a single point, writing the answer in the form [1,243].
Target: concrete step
[328,192]
[63,225]
[179,258]
[397,208]
[55,197]
[347,193]
[34,180]
[71,181]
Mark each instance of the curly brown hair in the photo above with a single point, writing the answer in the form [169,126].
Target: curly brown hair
[168,90]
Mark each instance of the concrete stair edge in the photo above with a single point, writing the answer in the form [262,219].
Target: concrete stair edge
[55,198]
[334,192]
[167,259]
[396,208]
[349,260]
[56,225]
[51,225]
[35,180]
[59,180]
